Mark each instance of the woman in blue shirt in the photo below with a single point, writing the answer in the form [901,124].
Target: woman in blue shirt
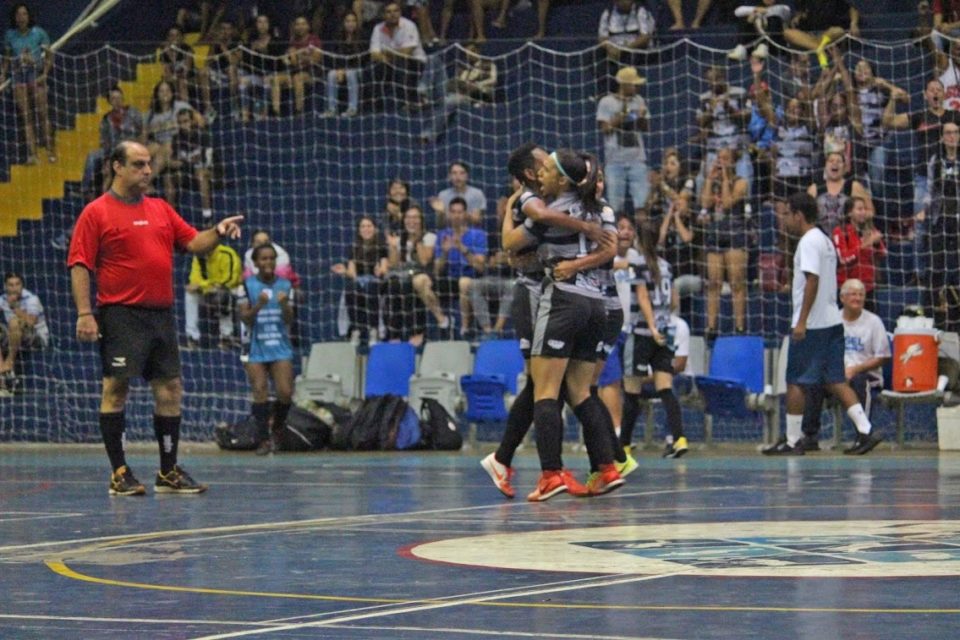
[28,58]
[266,309]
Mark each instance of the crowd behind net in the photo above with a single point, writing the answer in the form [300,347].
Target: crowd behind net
[306,177]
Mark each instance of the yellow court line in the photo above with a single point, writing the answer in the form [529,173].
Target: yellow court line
[62,569]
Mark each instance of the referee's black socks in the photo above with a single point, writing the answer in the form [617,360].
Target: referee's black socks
[167,431]
[112,426]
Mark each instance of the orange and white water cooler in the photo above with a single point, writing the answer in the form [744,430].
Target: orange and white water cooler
[914,359]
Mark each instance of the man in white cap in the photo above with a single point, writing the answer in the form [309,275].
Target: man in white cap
[622,117]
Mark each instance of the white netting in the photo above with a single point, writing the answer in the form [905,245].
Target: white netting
[306,178]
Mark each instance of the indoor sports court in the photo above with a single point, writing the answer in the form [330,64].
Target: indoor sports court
[715,545]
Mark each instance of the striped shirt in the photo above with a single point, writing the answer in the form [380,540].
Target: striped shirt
[660,293]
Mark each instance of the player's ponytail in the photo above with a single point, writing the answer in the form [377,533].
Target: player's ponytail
[647,236]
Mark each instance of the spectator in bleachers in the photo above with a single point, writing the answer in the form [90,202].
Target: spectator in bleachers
[927,125]
[797,83]
[725,229]
[833,192]
[303,53]
[869,153]
[200,15]
[817,23]
[476,8]
[859,245]
[474,198]
[29,60]
[760,18]
[283,267]
[161,124]
[177,58]
[793,150]
[213,277]
[395,209]
[460,254]
[24,327]
[191,159]
[543,10]
[366,268]
[410,255]
[866,350]
[220,68]
[946,21]
[259,62]
[475,84]
[948,70]
[670,204]
[625,25]
[676,8]
[943,243]
[494,283]
[343,66]
[398,57]
[839,112]
[722,119]
[122,122]
[421,13]
[762,125]
[622,117]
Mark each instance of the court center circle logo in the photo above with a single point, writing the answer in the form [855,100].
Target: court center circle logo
[838,549]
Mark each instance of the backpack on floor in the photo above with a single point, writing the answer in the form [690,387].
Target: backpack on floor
[239,436]
[393,409]
[303,432]
[438,426]
[408,435]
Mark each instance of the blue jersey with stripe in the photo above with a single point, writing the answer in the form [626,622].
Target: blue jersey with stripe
[269,335]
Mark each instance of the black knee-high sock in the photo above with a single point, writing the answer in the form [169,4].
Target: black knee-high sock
[672,408]
[618,453]
[518,424]
[546,417]
[261,415]
[112,426]
[167,431]
[280,411]
[595,420]
[631,411]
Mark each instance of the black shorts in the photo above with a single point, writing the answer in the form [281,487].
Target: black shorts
[135,341]
[569,325]
[641,352]
[612,327]
[523,311]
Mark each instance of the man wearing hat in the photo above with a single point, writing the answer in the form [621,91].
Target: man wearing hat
[622,117]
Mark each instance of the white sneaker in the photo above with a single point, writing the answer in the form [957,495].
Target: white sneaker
[355,337]
[738,53]
[761,52]
[373,337]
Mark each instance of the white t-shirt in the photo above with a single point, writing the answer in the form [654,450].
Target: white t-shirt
[30,303]
[681,339]
[865,338]
[622,146]
[404,36]
[816,254]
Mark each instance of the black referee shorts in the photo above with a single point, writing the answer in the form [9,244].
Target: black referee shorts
[136,341]
[569,325]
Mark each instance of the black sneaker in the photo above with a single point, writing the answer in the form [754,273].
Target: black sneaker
[783,449]
[809,443]
[123,483]
[177,480]
[863,444]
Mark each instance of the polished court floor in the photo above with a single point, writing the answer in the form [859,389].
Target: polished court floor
[720,544]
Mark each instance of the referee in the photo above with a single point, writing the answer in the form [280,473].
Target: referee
[127,240]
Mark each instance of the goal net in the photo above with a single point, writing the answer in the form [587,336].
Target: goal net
[307,177]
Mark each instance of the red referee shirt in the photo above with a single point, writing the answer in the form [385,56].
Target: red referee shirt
[129,247]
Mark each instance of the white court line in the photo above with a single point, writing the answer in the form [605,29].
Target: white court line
[457,602]
[239,623]
[505,634]
[40,516]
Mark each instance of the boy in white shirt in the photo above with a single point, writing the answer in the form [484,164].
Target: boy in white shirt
[815,355]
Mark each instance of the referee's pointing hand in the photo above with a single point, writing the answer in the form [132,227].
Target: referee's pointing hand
[229,227]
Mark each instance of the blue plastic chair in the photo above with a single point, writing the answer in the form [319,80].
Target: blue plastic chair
[496,366]
[736,371]
[501,357]
[389,367]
